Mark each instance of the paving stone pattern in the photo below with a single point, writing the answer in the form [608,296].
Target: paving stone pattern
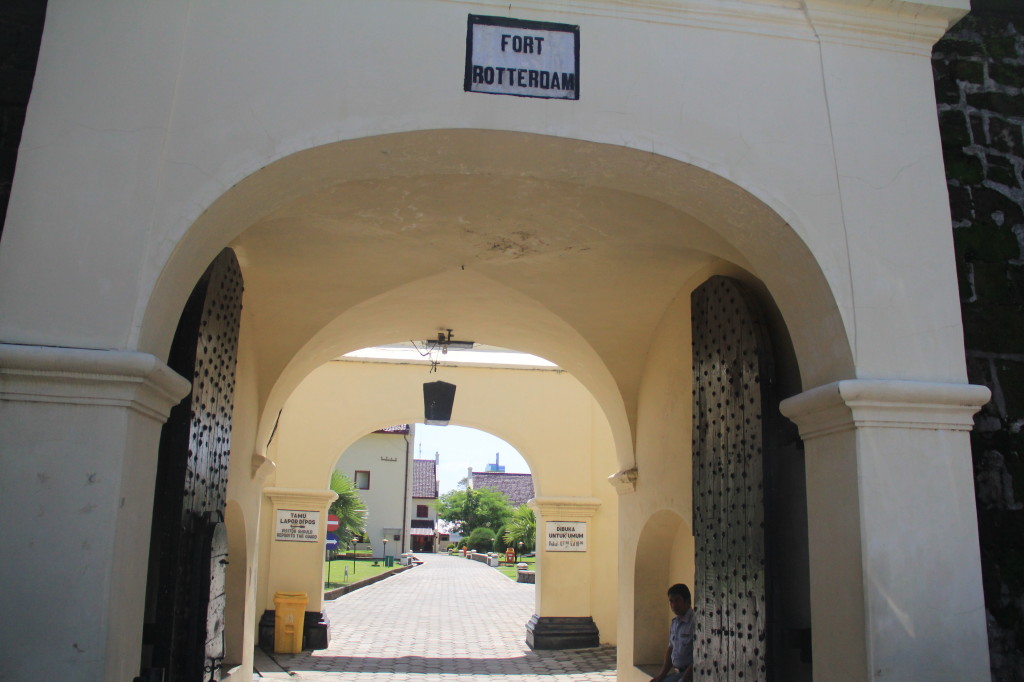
[448,619]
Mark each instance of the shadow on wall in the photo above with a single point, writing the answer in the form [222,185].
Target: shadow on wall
[235,584]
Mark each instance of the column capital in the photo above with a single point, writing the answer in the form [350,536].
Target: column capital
[566,508]
[879,403]
[83,376]
[313,498]
[261,465]
[909,26]
[624,481]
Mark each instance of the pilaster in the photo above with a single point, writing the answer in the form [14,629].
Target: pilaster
[79,434]
[563,619]
[297,566]
[895,575]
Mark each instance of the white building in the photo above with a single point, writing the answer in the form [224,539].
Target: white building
[381,466]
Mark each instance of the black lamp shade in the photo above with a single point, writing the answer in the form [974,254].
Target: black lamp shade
[438,399]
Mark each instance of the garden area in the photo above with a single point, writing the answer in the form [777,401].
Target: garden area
[510,570]
[345,570]
[483,517]
[489,524]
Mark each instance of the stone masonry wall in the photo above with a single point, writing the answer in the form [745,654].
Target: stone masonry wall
[979,76]
[21,28]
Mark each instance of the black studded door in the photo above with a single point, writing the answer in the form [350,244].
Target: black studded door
[731,369]
[183,628]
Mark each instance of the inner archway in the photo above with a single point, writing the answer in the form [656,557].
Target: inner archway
[412,482]
[546,414]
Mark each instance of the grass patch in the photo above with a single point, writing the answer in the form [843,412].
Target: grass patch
[511,571]
[360,569]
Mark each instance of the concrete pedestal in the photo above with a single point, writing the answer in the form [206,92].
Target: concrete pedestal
[550,632]
[315,631]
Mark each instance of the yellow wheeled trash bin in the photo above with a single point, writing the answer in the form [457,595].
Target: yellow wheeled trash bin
[289,619]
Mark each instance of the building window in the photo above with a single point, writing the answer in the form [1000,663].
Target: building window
[421,510]
[363,480]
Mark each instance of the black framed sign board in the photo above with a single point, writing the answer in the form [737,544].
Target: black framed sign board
[522,58]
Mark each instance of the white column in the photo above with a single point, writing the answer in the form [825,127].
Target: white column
[79,434]
[896,589]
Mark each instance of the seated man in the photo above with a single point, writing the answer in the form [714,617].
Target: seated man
[679,656]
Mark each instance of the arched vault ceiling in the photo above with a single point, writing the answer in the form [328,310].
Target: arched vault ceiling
[498,235]
[606,262]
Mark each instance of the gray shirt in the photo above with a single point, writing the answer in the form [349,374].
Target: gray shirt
[680,638]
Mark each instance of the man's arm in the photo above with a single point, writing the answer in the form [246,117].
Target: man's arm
[687,674]
[666,666]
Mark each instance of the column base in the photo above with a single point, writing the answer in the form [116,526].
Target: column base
[315,631]
[551,632]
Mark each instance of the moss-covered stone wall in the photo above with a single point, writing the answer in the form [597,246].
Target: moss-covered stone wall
[979,83]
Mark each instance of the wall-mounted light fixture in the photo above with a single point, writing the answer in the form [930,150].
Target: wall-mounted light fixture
[444,343]
[439,396]
[434,348]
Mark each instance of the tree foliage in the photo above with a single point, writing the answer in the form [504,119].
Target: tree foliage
[500,543]
[522,528]
[349,507]
[470,509]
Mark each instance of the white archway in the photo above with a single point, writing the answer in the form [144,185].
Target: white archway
[549,416]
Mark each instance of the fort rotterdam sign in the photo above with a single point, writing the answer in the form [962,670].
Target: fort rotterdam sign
[522,58]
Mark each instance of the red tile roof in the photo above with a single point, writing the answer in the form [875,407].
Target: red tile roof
[424,478]
[518,488]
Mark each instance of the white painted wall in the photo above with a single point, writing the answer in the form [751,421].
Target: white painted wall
[388,458]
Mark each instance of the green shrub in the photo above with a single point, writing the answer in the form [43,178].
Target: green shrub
[481,540]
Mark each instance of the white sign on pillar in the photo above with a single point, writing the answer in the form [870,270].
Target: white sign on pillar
[297,525]
[565,536]
[522,58]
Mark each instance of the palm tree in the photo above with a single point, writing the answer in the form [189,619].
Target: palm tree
[522,528]
[349,507]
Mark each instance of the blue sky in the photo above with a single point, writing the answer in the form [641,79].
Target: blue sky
[461,448]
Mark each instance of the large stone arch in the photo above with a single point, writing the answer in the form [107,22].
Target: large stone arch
[429,208]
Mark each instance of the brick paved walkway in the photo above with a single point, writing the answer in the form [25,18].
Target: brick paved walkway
[449,619]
